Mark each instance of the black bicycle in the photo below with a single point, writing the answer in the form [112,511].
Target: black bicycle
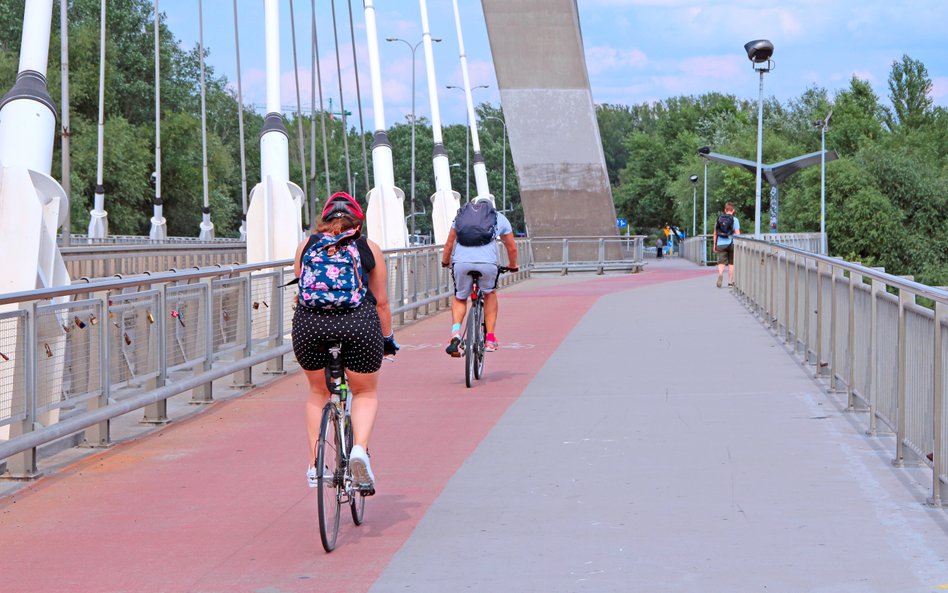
[335,485]
[474,338]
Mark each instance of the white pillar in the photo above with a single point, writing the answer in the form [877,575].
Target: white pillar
[159,226]
[385,218]
[444,202]
[98,217]
[480,170]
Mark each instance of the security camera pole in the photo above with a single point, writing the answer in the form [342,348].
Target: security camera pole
[759,52]
[823,124]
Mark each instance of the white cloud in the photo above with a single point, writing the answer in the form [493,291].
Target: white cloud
[601,59]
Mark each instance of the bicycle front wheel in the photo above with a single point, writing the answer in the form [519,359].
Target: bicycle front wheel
[356,498]
[330,476]
[480,340]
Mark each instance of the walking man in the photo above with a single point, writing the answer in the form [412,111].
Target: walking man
[725,228]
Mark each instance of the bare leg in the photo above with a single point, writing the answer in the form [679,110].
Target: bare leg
[458,309]
[490,311]
[365,405]
[318,396]
[730,274]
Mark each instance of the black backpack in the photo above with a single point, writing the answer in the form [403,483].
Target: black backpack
[476,223]
[724,226]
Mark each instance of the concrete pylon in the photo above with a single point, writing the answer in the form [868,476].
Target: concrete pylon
[554,138]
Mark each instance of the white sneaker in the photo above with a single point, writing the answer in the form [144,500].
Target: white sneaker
[360,467]
[311,477]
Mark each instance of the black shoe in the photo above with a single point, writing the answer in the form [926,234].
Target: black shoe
[453,348]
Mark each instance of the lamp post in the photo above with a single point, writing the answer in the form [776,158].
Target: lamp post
[412,48]
[503,179]
[694,204]
[467,147]
[759,52]
[823,124]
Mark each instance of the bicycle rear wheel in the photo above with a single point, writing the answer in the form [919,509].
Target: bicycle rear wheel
[356,498]
[470,342]
[479,342]
[330,473]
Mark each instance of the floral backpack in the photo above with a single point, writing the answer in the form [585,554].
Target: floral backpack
[332,273]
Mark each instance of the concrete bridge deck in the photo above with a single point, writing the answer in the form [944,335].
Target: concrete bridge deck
[638,433]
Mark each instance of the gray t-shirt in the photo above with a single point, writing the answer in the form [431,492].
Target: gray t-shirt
[482,254]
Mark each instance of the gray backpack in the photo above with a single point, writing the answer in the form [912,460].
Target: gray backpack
[476,223]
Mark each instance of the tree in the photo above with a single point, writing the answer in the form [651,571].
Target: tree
[910,91]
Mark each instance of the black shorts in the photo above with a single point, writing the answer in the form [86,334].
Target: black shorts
[358,329]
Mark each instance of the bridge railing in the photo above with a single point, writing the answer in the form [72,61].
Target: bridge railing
[100,260]
[74,358]
[699,250]
[879,338]
[579,254]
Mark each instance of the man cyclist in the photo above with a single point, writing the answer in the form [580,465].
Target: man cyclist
[480,258]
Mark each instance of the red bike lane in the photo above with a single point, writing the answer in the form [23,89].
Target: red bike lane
[218,502]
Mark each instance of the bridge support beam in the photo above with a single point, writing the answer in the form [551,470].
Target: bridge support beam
[554,135]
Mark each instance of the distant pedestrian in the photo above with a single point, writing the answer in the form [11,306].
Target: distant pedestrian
[725,228]
[658,248]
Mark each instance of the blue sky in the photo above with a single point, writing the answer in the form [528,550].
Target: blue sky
[636,50]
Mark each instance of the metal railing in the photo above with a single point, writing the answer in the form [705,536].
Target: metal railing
[577,254]
[868,334]
[73,358]
[108,259]
[698,249]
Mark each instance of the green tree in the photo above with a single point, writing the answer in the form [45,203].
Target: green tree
[910,91]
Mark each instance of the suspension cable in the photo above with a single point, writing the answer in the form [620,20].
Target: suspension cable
[299,115]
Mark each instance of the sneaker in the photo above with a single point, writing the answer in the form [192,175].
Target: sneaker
[730,285]
[361,469]
[311,478]
[720,281]
[453,348]
[491,346]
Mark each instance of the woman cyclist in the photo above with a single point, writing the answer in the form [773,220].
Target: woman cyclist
[365,332]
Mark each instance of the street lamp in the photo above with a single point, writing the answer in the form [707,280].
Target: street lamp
[412,48]
[694,204]
[704,225]
[504,166]
[823,124]
[467,146]
[759,52]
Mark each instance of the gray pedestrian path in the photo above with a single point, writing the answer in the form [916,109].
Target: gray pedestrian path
[672,444]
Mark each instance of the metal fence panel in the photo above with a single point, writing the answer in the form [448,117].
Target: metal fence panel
[185,339]
[13,368]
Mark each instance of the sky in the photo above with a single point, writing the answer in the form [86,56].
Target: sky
[636,50]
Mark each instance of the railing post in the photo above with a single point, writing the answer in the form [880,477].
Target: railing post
[938,405]
[275,365]
[157,413]
[904,299]
[874,375]
[243,379]
[99,434]
[819,318]
[851,340]
[602,256]
[22,466]
[204,394]
[565,256]
[834,329]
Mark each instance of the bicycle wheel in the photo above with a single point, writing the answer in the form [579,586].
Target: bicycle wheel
[470,341]
[330,472]
[479,342]
[356,498]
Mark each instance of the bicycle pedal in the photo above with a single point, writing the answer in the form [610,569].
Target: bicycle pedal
[366,490]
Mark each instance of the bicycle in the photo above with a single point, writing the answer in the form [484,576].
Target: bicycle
[335,484]
[474,338]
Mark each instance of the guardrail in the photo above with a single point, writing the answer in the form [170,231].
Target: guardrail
[101,260]
[698,249]
[74,358]
[577,254]
[867,333]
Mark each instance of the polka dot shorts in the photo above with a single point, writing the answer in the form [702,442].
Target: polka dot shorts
[358,329]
